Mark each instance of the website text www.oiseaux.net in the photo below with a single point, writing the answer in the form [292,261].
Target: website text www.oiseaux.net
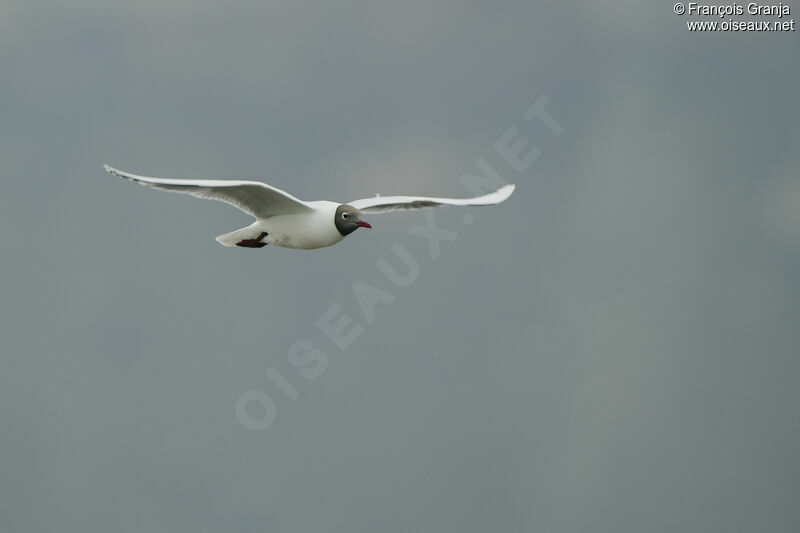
[740,25]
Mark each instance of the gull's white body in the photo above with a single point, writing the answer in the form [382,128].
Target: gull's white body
[306,231]
[286,221]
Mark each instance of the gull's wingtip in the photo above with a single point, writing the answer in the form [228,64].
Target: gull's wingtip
[505,191]
[115,172]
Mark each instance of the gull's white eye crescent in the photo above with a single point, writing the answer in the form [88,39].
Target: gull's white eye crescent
[345,216]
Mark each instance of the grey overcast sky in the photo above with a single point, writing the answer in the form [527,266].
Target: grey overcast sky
[614,349]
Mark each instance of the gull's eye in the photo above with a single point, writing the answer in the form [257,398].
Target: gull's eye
[345,216]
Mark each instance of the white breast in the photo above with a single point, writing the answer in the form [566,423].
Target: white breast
[304,230]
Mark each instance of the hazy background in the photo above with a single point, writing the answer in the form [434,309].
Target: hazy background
[615,349]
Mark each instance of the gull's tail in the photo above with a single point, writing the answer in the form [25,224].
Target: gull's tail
[244,234]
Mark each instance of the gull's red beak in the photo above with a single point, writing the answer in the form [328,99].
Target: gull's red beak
[363,224]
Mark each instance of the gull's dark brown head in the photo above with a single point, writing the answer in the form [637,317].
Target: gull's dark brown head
[348,219]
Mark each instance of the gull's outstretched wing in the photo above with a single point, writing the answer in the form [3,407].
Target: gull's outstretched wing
[385,204]
[252,197]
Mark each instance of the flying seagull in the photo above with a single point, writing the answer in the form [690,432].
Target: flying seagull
[283,220]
